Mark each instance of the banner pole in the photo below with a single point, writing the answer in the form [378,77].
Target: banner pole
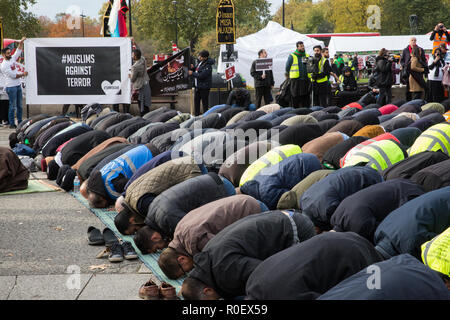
[131,23]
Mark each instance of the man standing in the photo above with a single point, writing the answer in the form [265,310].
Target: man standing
[299,78]
[202,81]
[264,81]
[13,83]
[356,65]
[320,78]
[406,57]
[328,67]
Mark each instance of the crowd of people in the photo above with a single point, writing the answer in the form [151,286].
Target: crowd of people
[266,202]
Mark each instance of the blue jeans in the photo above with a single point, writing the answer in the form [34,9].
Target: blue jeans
[15,103]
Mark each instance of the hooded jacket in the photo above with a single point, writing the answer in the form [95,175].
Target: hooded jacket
[68,133]
[322,144]
[200,225]
[168,208]
[433,177]
[290,199]
[404,278]
[405,229]
[331,158]
[121,168]
[161,178]
[235,165]
[112,120]
[320,201]
[405,169]
[270,183]
[363,211]
[299,134]
[228,259]
[81,145]
[13,175]
[309,269]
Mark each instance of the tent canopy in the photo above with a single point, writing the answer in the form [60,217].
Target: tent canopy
[279,42]
[371,45]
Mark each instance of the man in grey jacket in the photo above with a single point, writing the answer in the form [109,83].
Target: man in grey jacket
[140,81]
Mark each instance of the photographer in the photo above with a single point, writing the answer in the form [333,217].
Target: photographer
[436,67]
[439,35]
[319,78]
[384,78]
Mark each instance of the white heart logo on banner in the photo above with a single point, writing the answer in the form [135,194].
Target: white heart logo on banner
[111,89]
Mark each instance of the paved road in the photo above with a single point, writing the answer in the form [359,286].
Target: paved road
[43,236]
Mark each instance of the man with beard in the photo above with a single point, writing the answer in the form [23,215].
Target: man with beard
[300,83]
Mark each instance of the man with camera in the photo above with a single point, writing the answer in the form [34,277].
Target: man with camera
[439,35]
[299,75]
[319,78]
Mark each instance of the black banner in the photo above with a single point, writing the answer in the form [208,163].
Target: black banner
[78,71]
[225,22]
[171,75]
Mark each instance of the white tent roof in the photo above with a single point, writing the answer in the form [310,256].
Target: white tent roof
[374,44]
[279,42]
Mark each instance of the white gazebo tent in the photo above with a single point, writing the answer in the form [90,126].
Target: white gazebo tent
[278,41]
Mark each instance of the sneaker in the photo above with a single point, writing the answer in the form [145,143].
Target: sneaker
[149,291]
[128,251]
[115,253]
[167,292]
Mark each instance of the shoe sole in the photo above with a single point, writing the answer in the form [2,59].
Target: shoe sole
[115,259]
[144,297]
[131,257]
[96,243]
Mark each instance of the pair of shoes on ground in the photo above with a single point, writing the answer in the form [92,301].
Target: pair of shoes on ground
[150,291]
[117,251]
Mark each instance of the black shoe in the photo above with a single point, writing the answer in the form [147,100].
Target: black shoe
[128,251]
[95,237]
[13,127]
[115,253]
[109,237]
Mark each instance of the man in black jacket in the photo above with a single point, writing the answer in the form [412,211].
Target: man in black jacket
[320,78]
[384,78]
[404,61]
[264,81]
[222,268]
[202,81]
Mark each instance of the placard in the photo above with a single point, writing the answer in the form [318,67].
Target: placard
[264,64]
[225,23]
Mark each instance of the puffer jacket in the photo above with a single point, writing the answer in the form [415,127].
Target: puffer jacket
[168,208]
[162,178]
[112,120]
[270,184]
[320,201]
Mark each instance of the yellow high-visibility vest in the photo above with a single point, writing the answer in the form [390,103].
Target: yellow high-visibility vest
[294,72]
[271,158]
[433,139]
[378,155]
[436,253]
[321,64]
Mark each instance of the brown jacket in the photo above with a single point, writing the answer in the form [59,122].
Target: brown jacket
[13,175]
[322,144]
[415,66]
[200,225]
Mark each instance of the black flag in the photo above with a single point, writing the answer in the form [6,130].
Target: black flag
[171,75]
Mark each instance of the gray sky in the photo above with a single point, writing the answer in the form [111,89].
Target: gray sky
[90,7]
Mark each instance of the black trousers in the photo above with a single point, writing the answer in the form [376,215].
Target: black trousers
[126,107]
[261,92]
[203,96]
[417,95]
[303,101]
[436,91]
[385,96]
[4,108]
[320,94]
[408,93]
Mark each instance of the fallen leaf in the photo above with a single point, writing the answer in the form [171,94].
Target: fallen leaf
[99,267]
[58,228]
[48,259]
[10,255]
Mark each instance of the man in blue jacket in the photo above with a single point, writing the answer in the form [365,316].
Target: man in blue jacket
[404,230]
[202,81]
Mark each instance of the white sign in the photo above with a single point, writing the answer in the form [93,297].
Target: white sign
[78,70]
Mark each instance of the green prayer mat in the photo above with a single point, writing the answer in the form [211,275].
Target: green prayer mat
[34,186]
[150,260]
